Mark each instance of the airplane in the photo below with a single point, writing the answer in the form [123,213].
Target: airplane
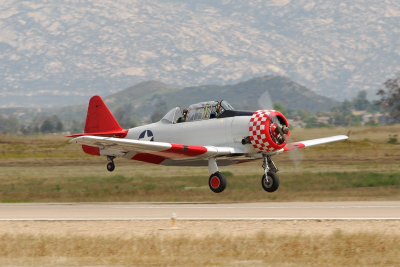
[212,131]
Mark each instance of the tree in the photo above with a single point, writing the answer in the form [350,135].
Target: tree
[51,125]
[390,97]
[361,102]
[47,126]
[59,126]
[9,125]
[279,107]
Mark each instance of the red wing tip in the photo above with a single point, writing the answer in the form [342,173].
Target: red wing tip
[293,146]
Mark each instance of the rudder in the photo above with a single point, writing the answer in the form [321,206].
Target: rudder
[100,121]
[99,118]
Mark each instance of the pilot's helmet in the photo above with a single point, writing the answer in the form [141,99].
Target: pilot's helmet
[185,111]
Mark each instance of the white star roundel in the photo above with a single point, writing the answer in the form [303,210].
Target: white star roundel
[146,135]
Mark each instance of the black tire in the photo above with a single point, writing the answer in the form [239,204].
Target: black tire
[272,183]
[217,182]
[110,166]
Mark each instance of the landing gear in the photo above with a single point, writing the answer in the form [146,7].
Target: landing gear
[110,164]
[217,182]
[270,180]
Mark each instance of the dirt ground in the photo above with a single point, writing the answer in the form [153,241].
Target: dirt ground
[197,228]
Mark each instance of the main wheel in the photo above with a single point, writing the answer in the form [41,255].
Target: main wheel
[270,182]
[217,182]
[110,166]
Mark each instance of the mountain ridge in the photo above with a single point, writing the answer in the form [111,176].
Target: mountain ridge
[54,52]
[139,102]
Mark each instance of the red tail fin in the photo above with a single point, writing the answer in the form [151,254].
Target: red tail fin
[100,121]
[99,117]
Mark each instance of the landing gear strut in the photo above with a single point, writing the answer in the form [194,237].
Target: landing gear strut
[270,180]
[110,164]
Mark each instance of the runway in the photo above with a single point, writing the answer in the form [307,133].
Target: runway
[371,210]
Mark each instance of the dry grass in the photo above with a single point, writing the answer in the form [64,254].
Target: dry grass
[260,249]
[206,243]
[47,168]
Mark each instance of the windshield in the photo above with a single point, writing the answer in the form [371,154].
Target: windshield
[225,105]
[172,115]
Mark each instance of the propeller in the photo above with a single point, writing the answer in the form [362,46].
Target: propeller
[278,129]
[265,102]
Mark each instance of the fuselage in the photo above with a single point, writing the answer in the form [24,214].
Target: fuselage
[212,132]
[208,126]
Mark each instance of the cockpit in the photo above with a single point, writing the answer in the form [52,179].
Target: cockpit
[207,110]
[200,111]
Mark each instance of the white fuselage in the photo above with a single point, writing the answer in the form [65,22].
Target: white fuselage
[212,132]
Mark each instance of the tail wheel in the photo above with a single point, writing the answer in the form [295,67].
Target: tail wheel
[110,166]
[270,182]
[217,182]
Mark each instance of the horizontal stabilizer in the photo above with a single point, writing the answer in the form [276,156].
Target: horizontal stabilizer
[120,134]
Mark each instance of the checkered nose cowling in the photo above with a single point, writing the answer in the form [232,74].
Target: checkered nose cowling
[262,128]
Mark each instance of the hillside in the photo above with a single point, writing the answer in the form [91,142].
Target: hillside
[144,98]
[64,52]
[245,95]
[139,102]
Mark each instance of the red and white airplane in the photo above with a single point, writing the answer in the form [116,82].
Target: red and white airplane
[212,131]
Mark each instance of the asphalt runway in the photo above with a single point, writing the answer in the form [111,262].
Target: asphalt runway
[371,210]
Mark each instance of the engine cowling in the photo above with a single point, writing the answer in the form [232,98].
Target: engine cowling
[269,130]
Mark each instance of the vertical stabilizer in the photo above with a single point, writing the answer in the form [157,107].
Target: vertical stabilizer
[100,121]
[99,118]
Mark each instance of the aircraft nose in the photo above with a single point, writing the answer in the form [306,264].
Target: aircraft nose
[263,134]
[258,126]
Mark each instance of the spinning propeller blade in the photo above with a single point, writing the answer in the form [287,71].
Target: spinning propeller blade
[265,102]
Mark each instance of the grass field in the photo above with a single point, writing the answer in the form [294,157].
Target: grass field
[260,249]
[47,168]
[207,243]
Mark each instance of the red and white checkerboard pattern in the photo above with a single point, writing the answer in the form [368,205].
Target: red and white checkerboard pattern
[259,131]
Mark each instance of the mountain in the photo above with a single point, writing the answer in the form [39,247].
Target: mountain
[246,95]
[139,102]
[147,97]
[62,52]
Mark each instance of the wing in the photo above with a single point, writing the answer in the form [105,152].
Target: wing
[149,149]
[312,142]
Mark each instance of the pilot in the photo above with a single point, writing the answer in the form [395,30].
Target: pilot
[217,111]
[184,116]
